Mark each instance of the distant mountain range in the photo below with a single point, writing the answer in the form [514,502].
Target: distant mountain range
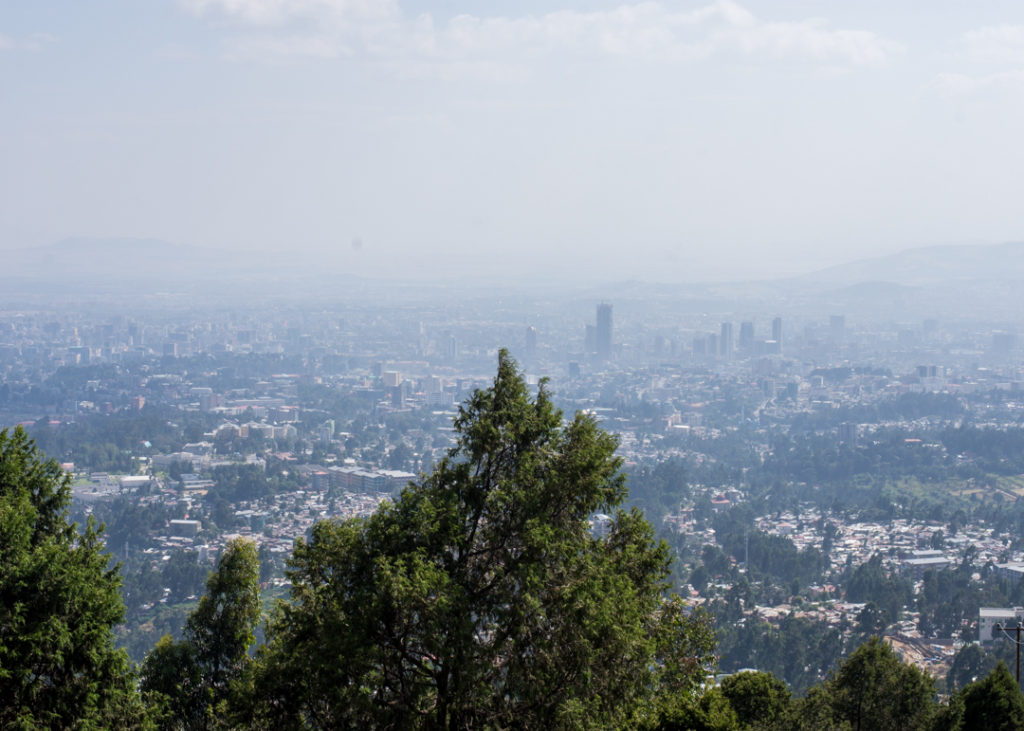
[964,282]
[120,258]
[97,266]
[929,265]
[983,278]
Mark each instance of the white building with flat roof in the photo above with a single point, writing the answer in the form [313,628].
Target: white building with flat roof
[989,617]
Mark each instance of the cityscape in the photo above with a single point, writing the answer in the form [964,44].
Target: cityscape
[185,431]
[404,364]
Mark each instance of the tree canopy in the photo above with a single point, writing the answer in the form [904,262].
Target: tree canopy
[760,700]
[874,689]
[994,703]
[192,679]
[58,604]
[482,597]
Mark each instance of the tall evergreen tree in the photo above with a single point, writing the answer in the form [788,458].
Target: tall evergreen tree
[481,597]
[874,689]
[994,703]
[192,679]
[59,601]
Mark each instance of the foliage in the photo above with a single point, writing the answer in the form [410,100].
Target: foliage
[948,600]
[658,489]
[760,700]
[874,689]
[969,665]
[58,604]
[774,556]
[799,651]
[710,711]
[239,482]
[869,582]
[193,678]
[994,703]
[130,523]
[481,598]
[183,575]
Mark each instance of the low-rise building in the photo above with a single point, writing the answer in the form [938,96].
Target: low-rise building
[989,617]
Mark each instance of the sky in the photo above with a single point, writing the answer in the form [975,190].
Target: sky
[663,140]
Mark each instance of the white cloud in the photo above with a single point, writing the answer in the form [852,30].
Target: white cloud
[998,44]
[811,39]
[995,57]
[650,30]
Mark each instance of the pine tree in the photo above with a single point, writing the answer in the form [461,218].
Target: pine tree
[874,689]
[192,680]
[994,703]
[59,601]
[481,597]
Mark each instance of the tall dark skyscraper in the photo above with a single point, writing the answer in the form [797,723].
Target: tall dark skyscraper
[725,341]
[603,336]
[777,332]
[746,343]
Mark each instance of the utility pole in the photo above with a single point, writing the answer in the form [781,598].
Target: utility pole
[1015,639]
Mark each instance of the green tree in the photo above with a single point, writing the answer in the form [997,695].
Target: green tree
[871,620]
[813,712]
[58,604]
[874,689]
[194,679]
[183,575]
[710,711]
[969,664]
[760,700]
[994,703]
[870,583]
[481,598]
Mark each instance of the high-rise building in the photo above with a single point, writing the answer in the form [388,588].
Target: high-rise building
[603,335]
[777,334]
[725,341]
[746,343]
[531,341]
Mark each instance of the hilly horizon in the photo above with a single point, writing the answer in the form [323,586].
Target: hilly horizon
[924,274]
[929,265]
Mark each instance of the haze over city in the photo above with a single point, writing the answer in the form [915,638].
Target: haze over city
[605,364]
[668,141]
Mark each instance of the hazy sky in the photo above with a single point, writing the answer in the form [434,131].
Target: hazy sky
[662,140]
